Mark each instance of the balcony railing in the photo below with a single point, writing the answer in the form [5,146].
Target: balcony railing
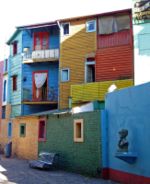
[96,90]
[50,97]
[41,55]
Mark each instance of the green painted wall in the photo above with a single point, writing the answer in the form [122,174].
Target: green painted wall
[83,157]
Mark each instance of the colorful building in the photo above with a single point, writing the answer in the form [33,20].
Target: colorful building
[59,65]
[1,86]
[141,27]
[34,58]
[74,134]
[6,124]
[93,49]
[77,43]
[32,79]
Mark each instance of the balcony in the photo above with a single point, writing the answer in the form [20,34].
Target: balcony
[48,97]
[96,90]
[41,56]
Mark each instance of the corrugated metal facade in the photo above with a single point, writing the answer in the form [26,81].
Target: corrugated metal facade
[114,56]
[73,50]
[96,90]
[114,63]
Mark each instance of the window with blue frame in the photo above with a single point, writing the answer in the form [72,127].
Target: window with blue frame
[9,129]
[4,91]
[3,112]
[91,26]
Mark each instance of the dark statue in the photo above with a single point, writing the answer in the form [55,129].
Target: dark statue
[123,143]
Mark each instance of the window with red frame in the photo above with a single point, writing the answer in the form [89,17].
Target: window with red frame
[41,40]
[14,83]
[15,48]
[42,130]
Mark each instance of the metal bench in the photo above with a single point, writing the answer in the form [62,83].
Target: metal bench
[46,161]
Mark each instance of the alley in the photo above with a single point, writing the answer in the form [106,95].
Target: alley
[16,171]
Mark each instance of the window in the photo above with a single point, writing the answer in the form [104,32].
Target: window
[41,41]
[65,75]
[113,24]
[6,65]
[90,70]
[40,85]
[22,130]
[15,48]
[4,91]
[78,130]
[42,130]
[65,28]
[3,112]
[91,26]
[9,129]
[14,83]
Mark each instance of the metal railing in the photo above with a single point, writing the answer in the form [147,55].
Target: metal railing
[50,95]
[42,54]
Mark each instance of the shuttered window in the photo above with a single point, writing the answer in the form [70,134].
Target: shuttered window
[42,130]
[41,41]
[15,48]
[14,83]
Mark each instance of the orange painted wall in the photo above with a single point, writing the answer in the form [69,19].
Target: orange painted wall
[114,63]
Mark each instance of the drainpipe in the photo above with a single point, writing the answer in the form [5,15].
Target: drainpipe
[58,23]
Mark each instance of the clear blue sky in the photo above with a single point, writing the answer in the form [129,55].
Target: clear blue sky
[18,12]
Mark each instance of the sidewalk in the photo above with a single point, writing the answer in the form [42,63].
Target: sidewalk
[16,171]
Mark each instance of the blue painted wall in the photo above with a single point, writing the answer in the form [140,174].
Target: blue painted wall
[24,39]
[129,109]
[52,68]
[15,68]
[28,39]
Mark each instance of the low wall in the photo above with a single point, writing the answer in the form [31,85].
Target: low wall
[82,157]
[129,109]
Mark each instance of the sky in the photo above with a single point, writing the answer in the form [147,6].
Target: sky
[15,13]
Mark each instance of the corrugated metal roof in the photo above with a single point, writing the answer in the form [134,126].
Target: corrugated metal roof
[50,112]
[12,37]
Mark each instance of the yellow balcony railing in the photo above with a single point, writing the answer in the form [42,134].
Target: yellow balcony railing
[96,90]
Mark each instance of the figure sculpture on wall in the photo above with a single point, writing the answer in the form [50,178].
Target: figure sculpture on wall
[123,143]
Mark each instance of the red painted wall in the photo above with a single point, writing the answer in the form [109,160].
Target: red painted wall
[114,56]
[114,63]
[127,178]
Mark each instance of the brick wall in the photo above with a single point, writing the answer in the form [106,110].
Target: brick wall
[82,157]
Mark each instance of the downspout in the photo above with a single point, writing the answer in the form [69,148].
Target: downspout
[58,23]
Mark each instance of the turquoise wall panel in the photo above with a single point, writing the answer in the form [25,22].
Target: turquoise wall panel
[129,109]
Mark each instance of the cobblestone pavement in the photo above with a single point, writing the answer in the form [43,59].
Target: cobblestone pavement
[16,171]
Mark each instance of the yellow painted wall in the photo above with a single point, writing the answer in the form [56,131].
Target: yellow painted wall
[96,90]
[73,50]
[25,147]
[3,128]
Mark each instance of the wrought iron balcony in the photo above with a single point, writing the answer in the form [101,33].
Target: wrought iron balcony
[41,55]
[49,96]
